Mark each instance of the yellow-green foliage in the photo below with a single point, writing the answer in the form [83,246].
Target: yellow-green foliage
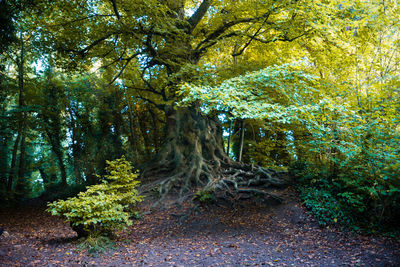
[103,207]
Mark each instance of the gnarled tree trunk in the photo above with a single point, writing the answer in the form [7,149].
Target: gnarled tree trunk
[193,156]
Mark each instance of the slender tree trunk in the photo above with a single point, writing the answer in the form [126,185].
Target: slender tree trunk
[21,183]
[90,176]
[62,168]
[21,117]
[57,150]
[76,150]
[280,153]
[335,152]
[118,122]
[145,135]
[241,141]
[133,138]
[77,168]
[5,136]
[3,162]
[45,178]
[155,131]
[56,147]
[229,138]
[21,168]
[13,162]
[132,135]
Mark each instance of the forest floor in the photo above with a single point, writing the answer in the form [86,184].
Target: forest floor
[247,235]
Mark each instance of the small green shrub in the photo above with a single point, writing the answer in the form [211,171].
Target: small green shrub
[204,196]
[104,207]
[324,206]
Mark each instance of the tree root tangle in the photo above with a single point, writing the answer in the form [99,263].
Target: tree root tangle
[193,161]
[226,180]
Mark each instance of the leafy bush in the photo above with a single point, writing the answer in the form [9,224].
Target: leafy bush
[325,207]
[352,161]
[204,196]
[104,207]
[349,196]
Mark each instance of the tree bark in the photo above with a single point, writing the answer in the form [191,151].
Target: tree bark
[21,117]
[56,147]
[90,175]
[241,141]
[76,150]
[62,168]
[132,135]
[143,126]
[3,164]
[21,167]
[155,134]
[229,138]
[21,183]
[5,137]
[193,156]
[45,177]
[13,163]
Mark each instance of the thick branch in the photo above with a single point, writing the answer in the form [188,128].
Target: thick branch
[114,4]
[124,66]
[281,38]
[203,45]
[221,30]
[251,39]
[114,61]
[144,90]
[210,39]
[287,39]
[199,14]
[83,51]
[159,106]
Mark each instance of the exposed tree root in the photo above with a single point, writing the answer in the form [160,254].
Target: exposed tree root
[193,159]
[225,179]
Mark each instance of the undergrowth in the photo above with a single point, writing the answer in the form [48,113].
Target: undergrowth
[336,200]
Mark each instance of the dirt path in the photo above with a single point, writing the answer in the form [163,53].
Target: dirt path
[252,235]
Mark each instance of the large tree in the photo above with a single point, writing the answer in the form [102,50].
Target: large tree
[154,46]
